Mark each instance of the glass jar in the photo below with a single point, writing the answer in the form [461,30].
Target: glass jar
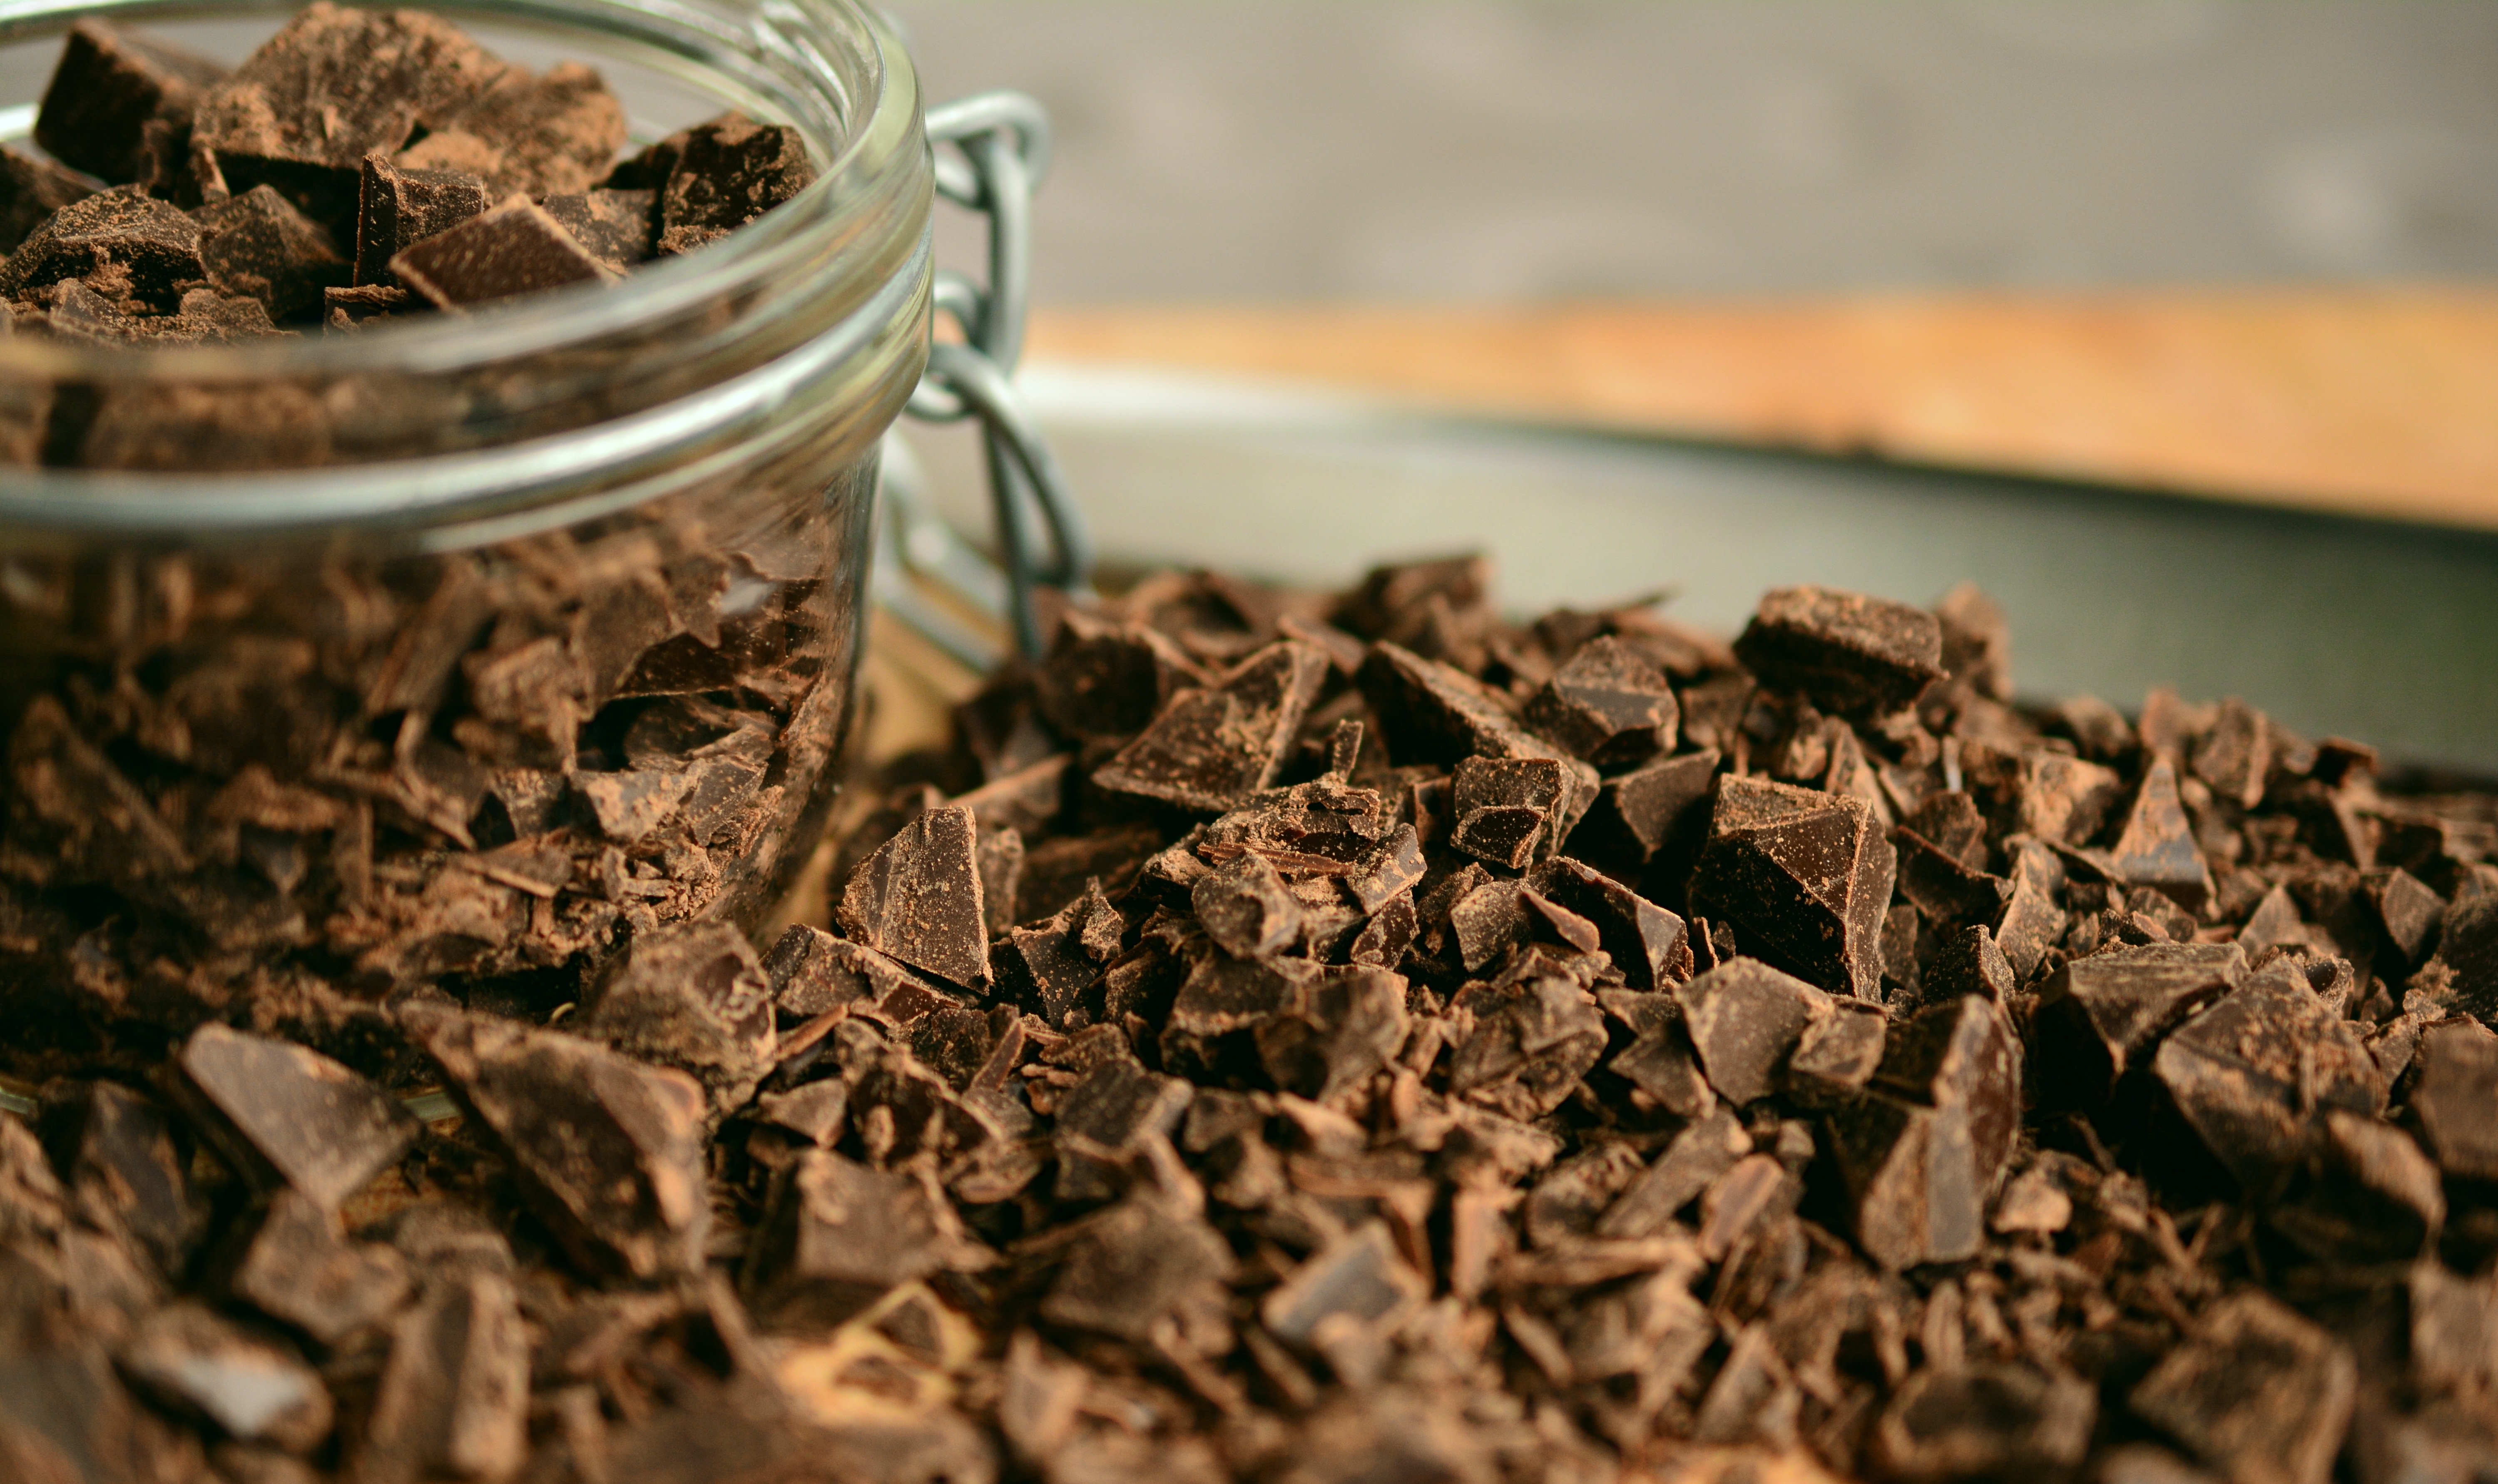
[455,653]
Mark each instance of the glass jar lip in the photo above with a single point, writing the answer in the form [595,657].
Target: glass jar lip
[756,253]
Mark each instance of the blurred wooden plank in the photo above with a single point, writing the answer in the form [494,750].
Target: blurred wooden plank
[2379,402]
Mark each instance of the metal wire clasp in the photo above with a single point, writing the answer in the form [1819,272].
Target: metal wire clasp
[1000,151]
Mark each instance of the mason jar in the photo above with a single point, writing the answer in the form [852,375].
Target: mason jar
[449,655]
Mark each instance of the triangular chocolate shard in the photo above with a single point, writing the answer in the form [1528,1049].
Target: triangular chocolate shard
[1210,748]
[1851,654]
[1805,874]
[2157,847]
[1607,705]
[2099,1016]
[286,1115]
[1745,1018]
[918,898]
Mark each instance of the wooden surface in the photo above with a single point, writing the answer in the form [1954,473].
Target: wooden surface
[2375,402]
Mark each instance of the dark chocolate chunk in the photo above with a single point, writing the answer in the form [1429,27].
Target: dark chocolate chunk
[1651,945]
[2409,911]
[1107,681]
[2099,1016]
[116,1153]
[1607,705]
[514,250]
[2254,1391]
[286,1115]
[2235,755]
[2253,1072]
[1963,1054]
[1128,1265]
[2032,921]
[1391,870]
[618,228]
[841,1234]
[251,1389]
[1806,874]
[1977,640]
[1531,1042]
[693,997]
[1437,714]
[149,248]
[1245,907]
[1985,1421]
[1689,1165]
[330,88]
[455,1393]
[1841,1048]
[2157,848]
[1647,810]
[1106,1120]
[1209,749]
[609,1151]
[1359,1279]
[110,85]
[1949,820]
[1511,812]
[728,172]
[258,245]
[399,207]
[2365,1194]
[299,1267]
[1745,1018]
[2457,1085]
[1851,654]
[917,899]
[1347,1027]
[31,190]
[1944,889]
[537,136]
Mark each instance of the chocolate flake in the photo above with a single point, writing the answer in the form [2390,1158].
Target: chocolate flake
[918,898]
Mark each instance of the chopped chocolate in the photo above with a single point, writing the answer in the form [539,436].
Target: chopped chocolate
[1210,748]
[1606,705]
[728,172]
[917,899]
[2453,1089]
[1346,1031]
[2254,1391]
[693,997]
[609,1151]
[300,1268]
[535,135]
[258,245]
[149,247]
[1745,1018]
[618,228]
[31,190]
[1127,1266]
[2252,1073]
[331,87]
[1510,811]
[841,1234]
[2100,1016]
[119,102]
[1985,1421]
[1851,654]
[1245,907]
[250,1389]
[117,1155]
[1650,810]
[454,1395]
[2157,848]
[514,250]
[1805,874]
[399,207]
[285,1115]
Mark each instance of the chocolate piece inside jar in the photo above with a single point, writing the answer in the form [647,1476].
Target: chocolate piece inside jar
[1291,1121]
[349,139]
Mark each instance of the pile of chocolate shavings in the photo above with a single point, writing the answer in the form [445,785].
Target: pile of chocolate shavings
[361,166]
[1322,1040]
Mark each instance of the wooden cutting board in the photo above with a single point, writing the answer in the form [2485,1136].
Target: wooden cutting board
[2375,402]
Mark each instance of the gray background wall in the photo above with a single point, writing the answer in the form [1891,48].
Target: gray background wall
[1384,150]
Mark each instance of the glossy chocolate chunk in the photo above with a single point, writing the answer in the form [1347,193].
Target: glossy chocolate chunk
[1607,705]
[1649,945]
[2102,1016]
[1914,1192]
[1660,808]
[608,1150]
[398,207]
[512,250]
[259,246]
[149,247]
[811,972]
[2255,1391]
[1851,654]
[331,87]
[2251,1074]
[1744,1018]
[1963,1054]
[1434,713]
[1806,874]
[1210,748]
[841,1234]
[618,228]
[2409,911]
[1945,890]
[728,172]
[251,1388]
[119,102]
[285,1115]
[537,136]
[918,900]
[696,997]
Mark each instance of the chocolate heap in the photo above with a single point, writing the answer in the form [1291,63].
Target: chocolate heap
[1332,1040]
[361,165]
